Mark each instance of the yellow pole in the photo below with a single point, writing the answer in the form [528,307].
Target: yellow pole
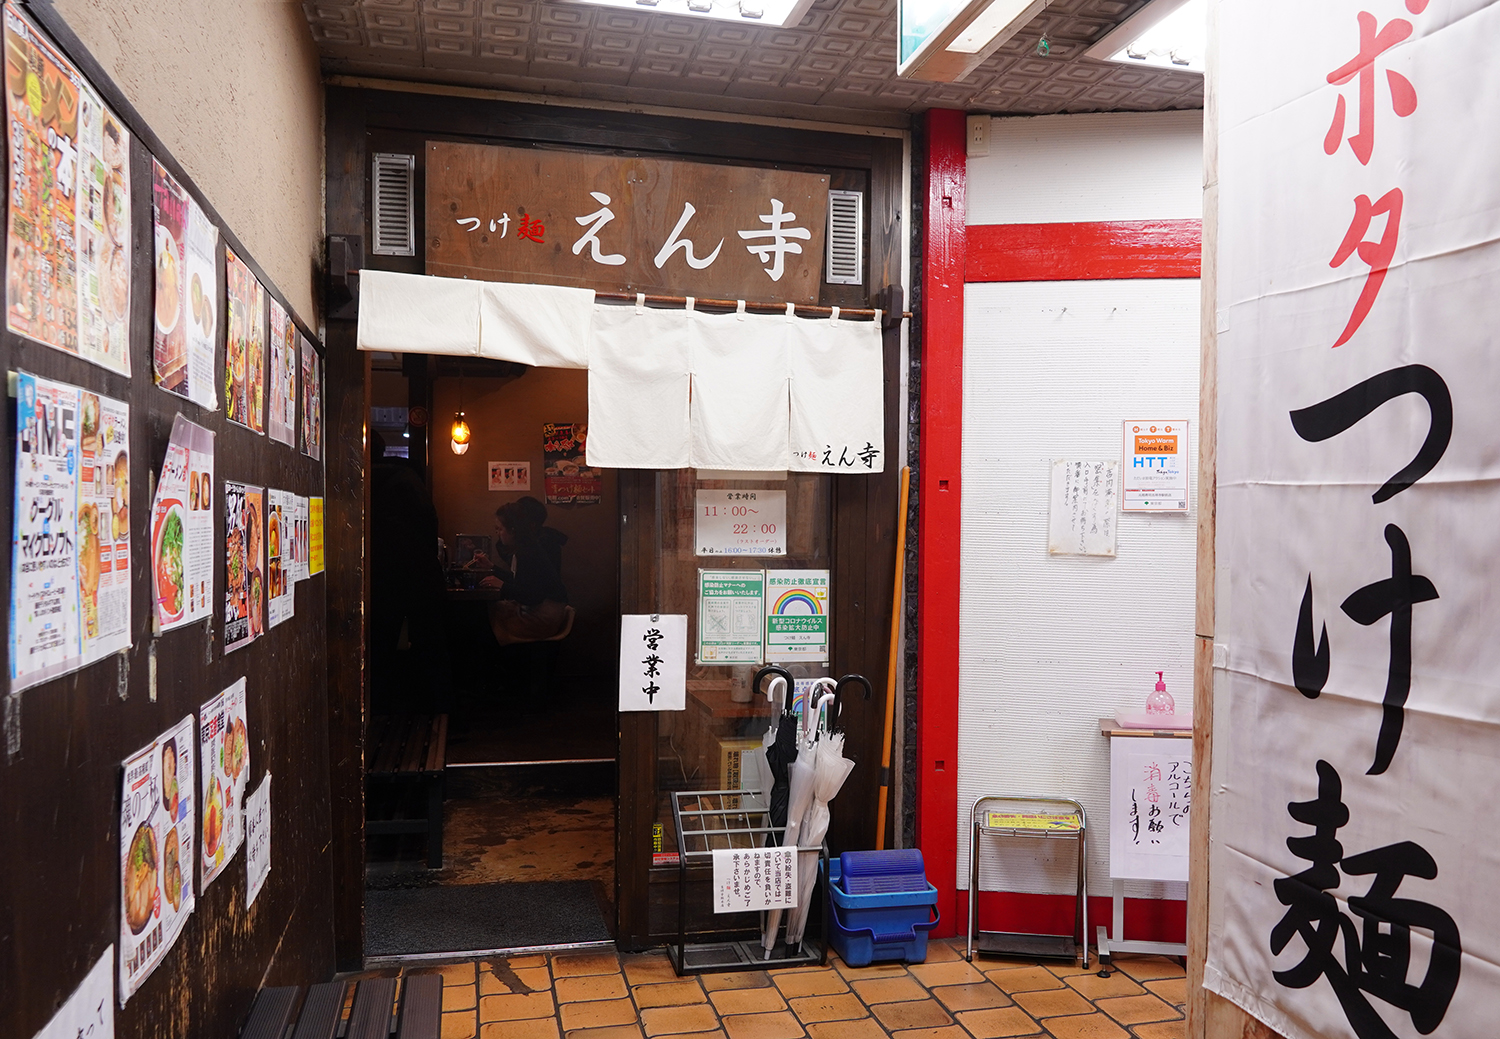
[893,664]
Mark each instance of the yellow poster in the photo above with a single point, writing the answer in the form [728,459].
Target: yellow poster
[315,535]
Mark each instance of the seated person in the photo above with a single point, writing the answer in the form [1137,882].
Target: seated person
[551,539]
[535,602]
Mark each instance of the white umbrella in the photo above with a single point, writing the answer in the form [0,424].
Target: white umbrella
[829,772]
[799,798]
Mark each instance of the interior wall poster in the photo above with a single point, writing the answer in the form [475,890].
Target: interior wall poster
[312,402]
[182,528]
[245,346]
[1156,466]
[68,242]
[1357,684]
[224,764]
[156,852]
[281,391]
[186,310]
[244,565]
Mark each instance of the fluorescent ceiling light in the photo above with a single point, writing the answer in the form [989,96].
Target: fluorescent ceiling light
[1166,34]
[765,12]
[942,41]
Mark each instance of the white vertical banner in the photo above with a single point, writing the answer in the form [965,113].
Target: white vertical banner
[1358,692]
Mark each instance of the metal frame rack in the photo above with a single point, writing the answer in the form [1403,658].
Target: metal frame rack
[1045,826]
[741,820]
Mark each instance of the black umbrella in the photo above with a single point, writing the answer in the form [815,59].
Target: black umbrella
[783,751]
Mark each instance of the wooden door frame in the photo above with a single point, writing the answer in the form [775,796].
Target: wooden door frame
[362,120]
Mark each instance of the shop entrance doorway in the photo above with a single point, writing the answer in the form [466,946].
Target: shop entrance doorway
[518,654]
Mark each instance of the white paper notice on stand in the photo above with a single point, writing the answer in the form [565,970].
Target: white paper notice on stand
[87,1014]
[653,662]
[1082,516]
[748,880]
[740,523]
[1156,466]
[257,840]
[1150,796]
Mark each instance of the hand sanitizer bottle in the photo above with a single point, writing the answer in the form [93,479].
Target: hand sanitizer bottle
[1159,701]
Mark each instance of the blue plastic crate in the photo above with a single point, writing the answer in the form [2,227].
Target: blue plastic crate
[890,919]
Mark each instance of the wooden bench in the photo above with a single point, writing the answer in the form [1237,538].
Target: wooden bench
[405,750]
[373,1015]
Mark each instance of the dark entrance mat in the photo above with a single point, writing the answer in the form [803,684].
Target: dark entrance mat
[463,918]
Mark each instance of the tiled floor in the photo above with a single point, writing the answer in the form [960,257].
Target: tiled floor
[602,995]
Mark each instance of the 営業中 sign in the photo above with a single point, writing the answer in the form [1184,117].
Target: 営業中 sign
[653,662]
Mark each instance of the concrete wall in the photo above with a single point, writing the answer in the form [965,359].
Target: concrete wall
[233,90]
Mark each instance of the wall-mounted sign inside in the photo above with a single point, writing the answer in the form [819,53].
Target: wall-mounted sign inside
[510,476]
[1156,466]
[740,523]
[624,224]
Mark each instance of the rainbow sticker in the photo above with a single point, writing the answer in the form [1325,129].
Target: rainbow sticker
[798,601]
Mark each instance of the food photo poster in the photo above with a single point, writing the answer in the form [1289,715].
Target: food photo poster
[70,544]
[244,567]
[281,392]
[312,402]
[68,227]
[185,314]
[280,569]
[224,761]
[182,528]
[156,853]
[244,346]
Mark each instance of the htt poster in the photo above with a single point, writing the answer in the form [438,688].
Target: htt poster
[244,565]
[182,528]
[185,315]
[569,479]
[245,346]
[281,391]
[68,234]
[224,761]
[156,852]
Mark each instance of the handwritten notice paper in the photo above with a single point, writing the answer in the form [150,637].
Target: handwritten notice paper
[1085,500]
[653,662]
[748,880]
[257,840]
[1150,797]
[89,1012]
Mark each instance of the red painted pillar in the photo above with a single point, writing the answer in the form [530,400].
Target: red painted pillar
[941,457]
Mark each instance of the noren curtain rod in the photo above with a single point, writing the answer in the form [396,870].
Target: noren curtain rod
[808,309]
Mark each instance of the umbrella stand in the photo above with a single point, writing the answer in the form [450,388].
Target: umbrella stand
[709,819]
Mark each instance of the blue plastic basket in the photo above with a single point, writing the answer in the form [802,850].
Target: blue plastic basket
[882,907]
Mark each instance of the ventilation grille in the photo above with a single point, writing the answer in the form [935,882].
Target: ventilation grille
[846,238]
[392,183]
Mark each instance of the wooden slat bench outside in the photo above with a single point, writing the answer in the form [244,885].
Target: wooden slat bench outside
[411,749]
[372,1016]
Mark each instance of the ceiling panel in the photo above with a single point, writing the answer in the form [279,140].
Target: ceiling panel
[839,63]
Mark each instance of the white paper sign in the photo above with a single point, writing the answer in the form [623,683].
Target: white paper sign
[1150,795]
[740,523]
[653,662]
[751,879]
[300,546]
[89,1012]
[1082,517]
[731,611]
[510,476]
[257,840]
[224,765]
[1357,701]
[157,823]
[1156,466]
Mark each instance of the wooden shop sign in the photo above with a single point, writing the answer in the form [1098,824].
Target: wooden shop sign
[624,224]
